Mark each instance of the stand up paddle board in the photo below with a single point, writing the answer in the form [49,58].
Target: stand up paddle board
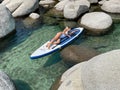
[43,50]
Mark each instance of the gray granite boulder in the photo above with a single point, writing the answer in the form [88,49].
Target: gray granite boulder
[60,5]
[74,10]
[5,82]
[112,6]
[75,54]
[21,7]
[7,22]
[96,23]
[99,73]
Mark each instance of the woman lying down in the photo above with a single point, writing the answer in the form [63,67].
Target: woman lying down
[59,36]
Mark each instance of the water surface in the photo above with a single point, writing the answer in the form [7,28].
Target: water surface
[39,74]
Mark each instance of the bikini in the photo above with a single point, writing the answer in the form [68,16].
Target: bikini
[63,35]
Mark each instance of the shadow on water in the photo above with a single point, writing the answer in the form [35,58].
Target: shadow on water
[21,85]
[53,59]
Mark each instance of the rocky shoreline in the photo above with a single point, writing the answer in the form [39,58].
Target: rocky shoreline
[96,16]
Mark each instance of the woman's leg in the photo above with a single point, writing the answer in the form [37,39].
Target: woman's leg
[57,36]
[56,42]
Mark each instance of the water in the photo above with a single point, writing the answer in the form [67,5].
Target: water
[39,74]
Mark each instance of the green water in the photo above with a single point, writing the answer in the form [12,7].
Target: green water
[29,74]
[39,74]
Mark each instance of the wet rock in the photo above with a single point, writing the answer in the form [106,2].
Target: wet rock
[34,15]
[112,6]
[96,23]
[5,82]
[21,7]
[75,54]
[7,22]
[99,73]
[74,10]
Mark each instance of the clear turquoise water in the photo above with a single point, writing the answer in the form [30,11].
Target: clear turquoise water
[29,74]
[39,74]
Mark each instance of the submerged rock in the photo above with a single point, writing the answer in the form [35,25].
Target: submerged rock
[49,20]
[54,13]
[99,73]
[96,23]
[7,22]
[75,54]
[5,82]
[112,6]
[21,7]
[68,23]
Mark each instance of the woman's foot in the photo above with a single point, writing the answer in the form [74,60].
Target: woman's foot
[48,45]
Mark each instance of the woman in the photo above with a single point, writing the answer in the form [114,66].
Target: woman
[58,36]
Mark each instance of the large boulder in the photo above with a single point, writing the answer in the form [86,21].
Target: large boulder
[74,10]
[75,54]
[60,6]
[96,23]
[5,82]
[7,22]
[112,6]
[99,73]
[21,7]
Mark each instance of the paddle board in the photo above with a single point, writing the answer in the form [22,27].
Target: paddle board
[43,50]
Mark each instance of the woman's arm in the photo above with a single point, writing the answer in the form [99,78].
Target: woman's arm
[65,31]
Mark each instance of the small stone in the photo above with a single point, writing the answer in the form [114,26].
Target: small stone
[34,15]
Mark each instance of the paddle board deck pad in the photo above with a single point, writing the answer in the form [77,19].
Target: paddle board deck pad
[43,50]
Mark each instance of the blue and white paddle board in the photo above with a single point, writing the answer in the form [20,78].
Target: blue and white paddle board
[43,50]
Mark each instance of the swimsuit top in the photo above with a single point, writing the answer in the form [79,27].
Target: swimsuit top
[62,36]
